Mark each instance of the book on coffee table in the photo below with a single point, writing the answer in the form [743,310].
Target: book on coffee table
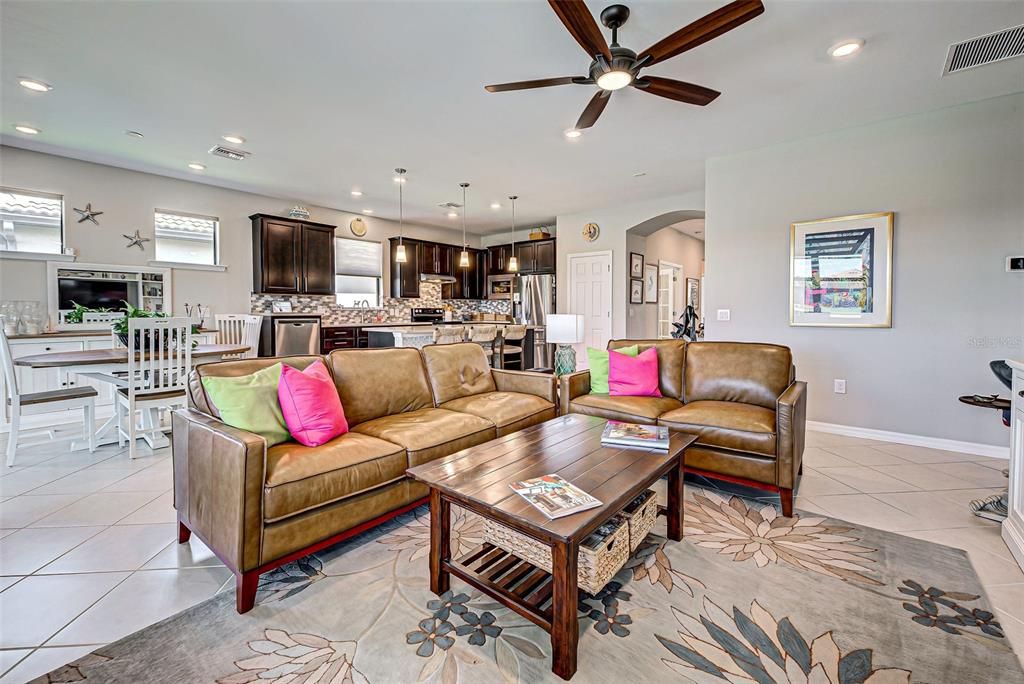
[617,433]
[553,496]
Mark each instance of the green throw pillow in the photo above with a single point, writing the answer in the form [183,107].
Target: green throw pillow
[249,402]
[598,359]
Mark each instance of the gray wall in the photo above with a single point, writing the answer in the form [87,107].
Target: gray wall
[955,179]
[128,199]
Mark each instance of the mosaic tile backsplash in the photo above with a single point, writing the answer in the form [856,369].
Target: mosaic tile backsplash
[393,309]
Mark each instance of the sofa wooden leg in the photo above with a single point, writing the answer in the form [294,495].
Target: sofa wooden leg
[786,497]
[245,590]
[800,470]
[184,534]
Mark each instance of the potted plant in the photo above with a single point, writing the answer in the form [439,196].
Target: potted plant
[77,314]
[120,326]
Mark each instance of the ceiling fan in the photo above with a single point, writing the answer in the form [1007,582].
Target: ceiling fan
[616,67]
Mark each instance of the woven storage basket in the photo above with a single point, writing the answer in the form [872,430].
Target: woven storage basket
[641,516]
[595,567]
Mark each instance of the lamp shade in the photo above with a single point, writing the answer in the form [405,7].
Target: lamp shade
[564,328]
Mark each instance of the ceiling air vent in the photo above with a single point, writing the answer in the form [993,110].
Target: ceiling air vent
[994,47]
[228,153]
[449,205]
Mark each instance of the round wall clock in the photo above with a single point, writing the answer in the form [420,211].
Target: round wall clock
[358,227]
[590,232]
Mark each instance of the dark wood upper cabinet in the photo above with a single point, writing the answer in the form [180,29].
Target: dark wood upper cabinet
[534,257]
[436,258]
[544,257]
[405,278]
[497,259]
[526,254]
[469,282]
[292,257]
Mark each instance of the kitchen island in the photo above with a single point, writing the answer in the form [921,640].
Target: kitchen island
[416,336]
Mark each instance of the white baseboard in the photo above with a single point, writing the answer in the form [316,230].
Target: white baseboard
[990,450]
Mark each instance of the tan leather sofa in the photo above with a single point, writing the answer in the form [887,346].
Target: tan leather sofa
[741,399]
[258,508]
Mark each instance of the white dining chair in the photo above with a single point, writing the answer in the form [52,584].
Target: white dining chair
[17,405]
[159,361]
[242,329]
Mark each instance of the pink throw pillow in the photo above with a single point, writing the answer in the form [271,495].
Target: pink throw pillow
[310,404]
[630,376]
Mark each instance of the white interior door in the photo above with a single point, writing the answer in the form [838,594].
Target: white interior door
[590,294]
[670,277]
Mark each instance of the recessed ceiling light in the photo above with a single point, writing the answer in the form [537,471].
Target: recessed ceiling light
[367,211]
[134,134]
[233,139]
[573,133]
[27,130]
[196,166]
[495,205]
[845,48]
[32,84]
[614,80]
[357,193]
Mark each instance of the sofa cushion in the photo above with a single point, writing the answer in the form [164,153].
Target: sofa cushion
[744,372]
[430,433]
[457,370]
[379,382]
[199,399]
[500,408]
[671,357]
[299,478]
[631,409]
[726,424]
[250,402]
[310,404]
[633,376]
[599,362]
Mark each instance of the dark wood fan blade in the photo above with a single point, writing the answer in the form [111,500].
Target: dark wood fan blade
[704,29]
[526,85]
[676,90]
[580,23]
[594,108]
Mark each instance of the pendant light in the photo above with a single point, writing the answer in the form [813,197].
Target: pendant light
[464,255]
[400,250]
[513,262]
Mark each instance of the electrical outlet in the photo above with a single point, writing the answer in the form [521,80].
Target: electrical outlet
[724,314]
[839,386]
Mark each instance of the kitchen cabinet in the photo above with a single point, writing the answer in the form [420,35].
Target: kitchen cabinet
[405,278]
[471,282]
[497,259]
[292,256]
[347,337]
[534,256]
[436,258]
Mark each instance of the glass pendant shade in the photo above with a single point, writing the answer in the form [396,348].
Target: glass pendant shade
[400,254]
[464,259]
[513,264]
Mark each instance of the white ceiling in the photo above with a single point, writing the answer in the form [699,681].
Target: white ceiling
[692,227]
[332,96]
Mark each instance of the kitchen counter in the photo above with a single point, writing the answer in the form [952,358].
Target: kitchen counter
[58,334]
[416,336]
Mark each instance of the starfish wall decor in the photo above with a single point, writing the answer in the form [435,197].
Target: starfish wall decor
[88,214]
[136,240]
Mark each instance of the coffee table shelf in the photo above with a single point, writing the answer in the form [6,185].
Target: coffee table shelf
[514,582]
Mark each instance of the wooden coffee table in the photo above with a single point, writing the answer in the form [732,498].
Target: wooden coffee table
[478,480]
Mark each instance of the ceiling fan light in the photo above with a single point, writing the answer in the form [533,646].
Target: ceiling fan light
[614,80]
[464,259]
[573,133]
[845,48]
[400,254]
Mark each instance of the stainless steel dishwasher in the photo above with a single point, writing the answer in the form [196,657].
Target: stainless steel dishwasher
[296,336]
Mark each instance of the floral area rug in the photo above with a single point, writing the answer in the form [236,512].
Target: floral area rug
[748,596]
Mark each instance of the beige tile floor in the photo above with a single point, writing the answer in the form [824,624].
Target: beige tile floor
[88,552]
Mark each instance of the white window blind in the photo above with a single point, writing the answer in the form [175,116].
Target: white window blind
[185,238]
[31,221]
[357,258]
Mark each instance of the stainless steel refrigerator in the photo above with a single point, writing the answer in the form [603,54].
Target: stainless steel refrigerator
[534,300]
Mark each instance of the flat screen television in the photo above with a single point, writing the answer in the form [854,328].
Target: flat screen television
[93,293]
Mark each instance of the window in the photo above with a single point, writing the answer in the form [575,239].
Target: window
[186,238]
[357,269]
[31,221]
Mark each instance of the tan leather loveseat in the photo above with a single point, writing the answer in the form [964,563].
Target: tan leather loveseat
[741,399]
[258,508]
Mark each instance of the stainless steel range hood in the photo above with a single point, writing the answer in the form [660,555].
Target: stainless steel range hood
[436,278]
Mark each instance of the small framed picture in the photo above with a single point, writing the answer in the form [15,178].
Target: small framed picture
[651,284]
[693,293]
[636,265]
[636,291]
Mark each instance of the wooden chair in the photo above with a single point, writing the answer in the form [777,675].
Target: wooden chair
[241,329]
[510,349]
[487,337]
[17,405]
[449,334]
[159,360]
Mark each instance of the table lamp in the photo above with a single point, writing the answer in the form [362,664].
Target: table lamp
[564,330]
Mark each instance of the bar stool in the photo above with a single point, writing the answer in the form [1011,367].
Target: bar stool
[449,334]
[486,336]
[511,346]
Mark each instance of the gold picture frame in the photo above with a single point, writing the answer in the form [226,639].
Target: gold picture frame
[820,307]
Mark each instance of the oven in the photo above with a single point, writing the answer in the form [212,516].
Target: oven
[501,286]
[427,315]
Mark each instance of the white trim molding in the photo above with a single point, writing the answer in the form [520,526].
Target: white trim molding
[35,256]
[184,266]
[976,448]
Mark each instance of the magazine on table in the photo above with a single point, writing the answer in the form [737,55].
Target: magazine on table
[617,433]
[553,496]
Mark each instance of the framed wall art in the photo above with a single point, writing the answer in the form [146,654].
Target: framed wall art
[693,293]
[651,284]
[840,271]
[636,265]
[636,291]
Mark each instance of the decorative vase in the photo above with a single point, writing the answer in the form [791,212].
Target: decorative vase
[565,359]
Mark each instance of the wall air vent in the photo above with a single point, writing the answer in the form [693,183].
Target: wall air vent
[994,47]
[228,153]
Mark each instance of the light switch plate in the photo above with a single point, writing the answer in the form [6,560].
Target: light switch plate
[724,314]
[1015,264]
[839,386]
